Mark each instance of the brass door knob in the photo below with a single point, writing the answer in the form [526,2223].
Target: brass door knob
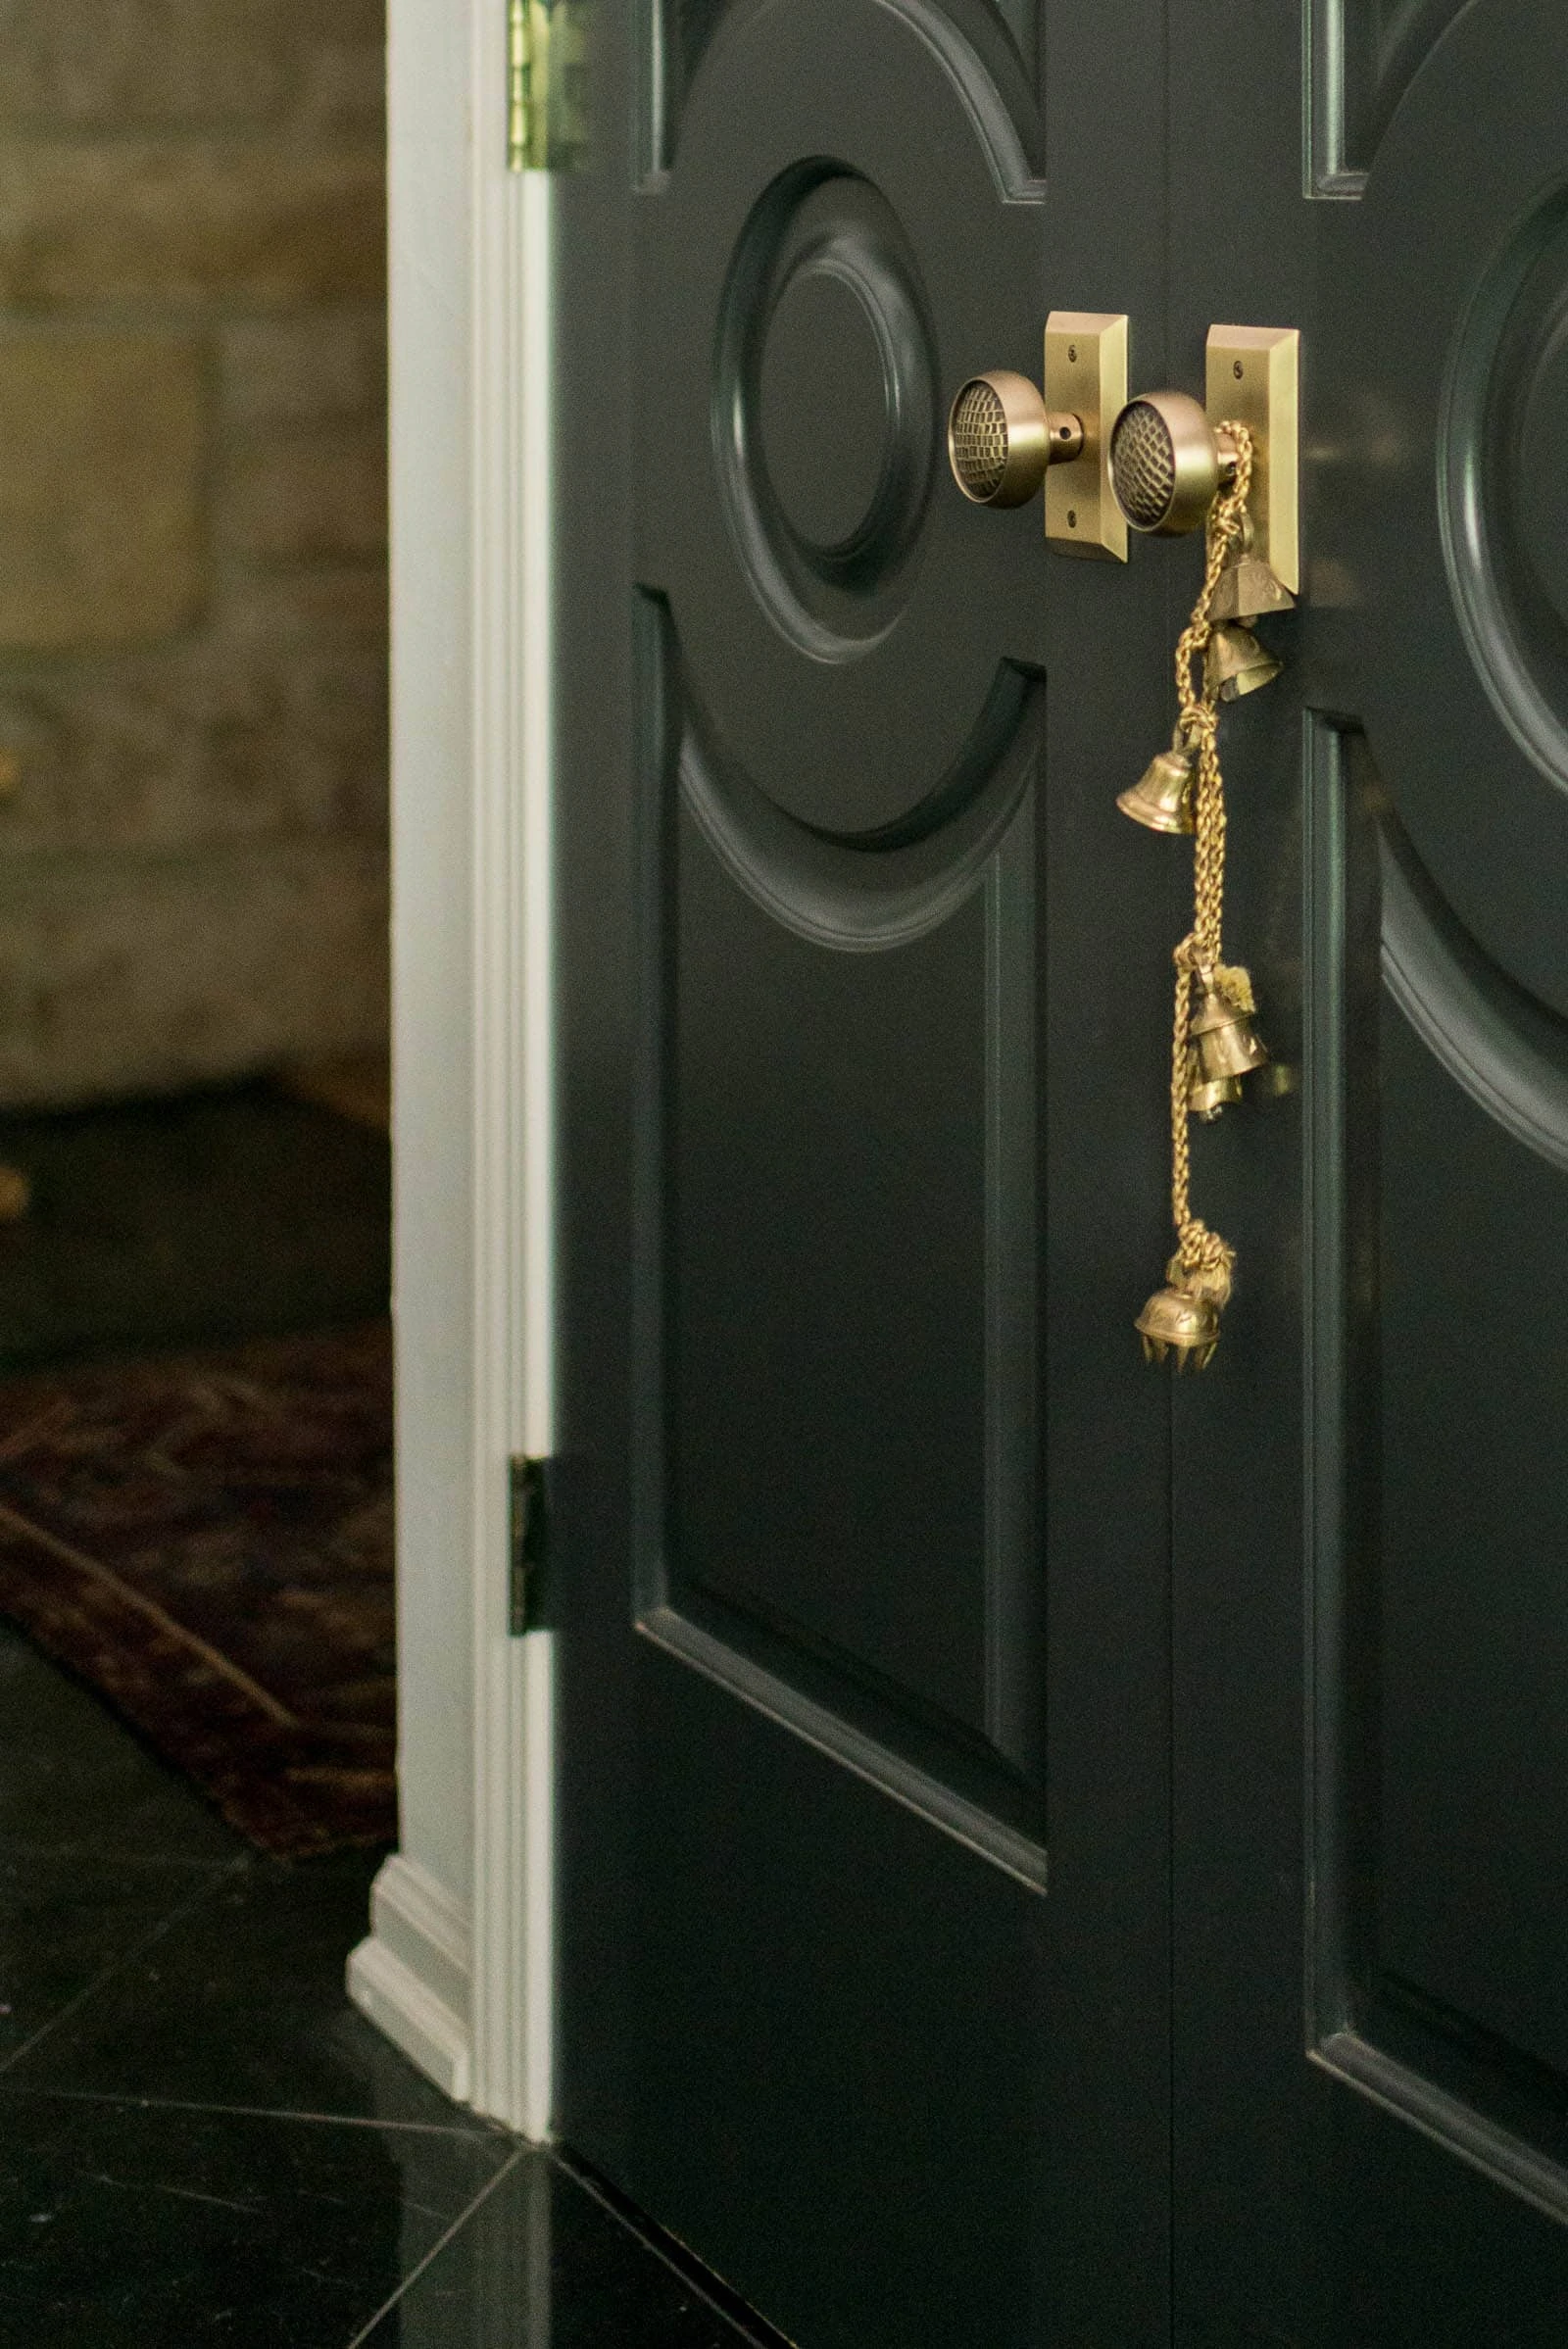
[1001,437]
[1167,464]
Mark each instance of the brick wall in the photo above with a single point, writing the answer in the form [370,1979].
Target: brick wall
[192,540]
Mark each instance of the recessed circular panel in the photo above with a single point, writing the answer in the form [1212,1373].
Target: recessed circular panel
[806,306]
[1504,485]
[824,409]
[1538,487]
[827,405]
[1437,598]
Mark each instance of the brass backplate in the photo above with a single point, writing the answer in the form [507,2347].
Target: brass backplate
[1254,375]
[1086,376]
[545,85]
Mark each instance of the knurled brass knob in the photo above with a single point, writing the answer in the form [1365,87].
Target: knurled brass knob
[1167,464]
[1001,437]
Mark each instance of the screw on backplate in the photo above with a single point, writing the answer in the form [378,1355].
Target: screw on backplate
[1238,370]
[1072,519]
[1072,353]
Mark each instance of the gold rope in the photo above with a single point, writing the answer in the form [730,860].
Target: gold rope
[1200,1250]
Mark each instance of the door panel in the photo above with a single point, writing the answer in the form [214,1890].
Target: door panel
[1437,1730]
[1003,36]
[1364,55]
[851,1457]
[1446,407]
[826,2144]
[1473,1731]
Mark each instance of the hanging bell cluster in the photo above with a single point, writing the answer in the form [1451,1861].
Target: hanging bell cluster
[1223,1047]
[1214,1047]
[1179,1323]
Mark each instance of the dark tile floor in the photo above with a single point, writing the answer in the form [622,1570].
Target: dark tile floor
[202,2143]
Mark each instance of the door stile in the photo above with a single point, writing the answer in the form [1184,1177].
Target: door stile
[1240,250]
[1108,910]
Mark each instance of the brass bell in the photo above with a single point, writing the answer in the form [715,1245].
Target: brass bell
[1162,798]
[1247,588]
[1236,664]
[1207,1095]
[1222,1034]
[1176,1322]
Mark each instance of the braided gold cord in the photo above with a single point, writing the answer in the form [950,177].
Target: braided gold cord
[1200,1250]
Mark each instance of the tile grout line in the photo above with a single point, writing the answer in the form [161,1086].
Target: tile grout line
[471,2133]
[458,2224]
[687,2268]
[127,1957]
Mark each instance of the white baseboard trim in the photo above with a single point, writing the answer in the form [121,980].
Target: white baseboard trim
[411,1977]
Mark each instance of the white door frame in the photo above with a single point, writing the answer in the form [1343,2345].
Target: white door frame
[459,1965]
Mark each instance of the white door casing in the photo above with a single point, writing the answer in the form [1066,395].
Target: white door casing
[457,1967]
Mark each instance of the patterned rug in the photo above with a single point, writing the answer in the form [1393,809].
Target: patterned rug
[207,1540]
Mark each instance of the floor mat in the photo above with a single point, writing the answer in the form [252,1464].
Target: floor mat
[207,1540]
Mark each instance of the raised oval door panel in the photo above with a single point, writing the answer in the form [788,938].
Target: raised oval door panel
[1371,1699]
[863,1504]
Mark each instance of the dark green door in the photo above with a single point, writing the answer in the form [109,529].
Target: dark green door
[865,1490]
[1370,1617]
[1050,1857]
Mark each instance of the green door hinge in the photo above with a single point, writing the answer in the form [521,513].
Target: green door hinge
[529,1534]
[545,85]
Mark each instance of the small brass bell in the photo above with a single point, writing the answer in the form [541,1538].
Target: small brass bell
[1162,798]
[1176,1322]
[1222,1034]
[1207,1095]
[1236,664]
[1247,588]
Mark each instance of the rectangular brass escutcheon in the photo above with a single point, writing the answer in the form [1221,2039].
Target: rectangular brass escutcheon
[1254,379]
[546,76]
[1086,376]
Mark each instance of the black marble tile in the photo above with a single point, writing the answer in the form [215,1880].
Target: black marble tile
[244,2005]
[158,2180]
[73,1779]
[541,2264]
[65,1926]
[126,2226]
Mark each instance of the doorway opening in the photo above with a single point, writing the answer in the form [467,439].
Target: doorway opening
[194,1091]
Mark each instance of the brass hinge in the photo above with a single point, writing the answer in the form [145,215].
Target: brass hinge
[545,77]
[529,1536]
